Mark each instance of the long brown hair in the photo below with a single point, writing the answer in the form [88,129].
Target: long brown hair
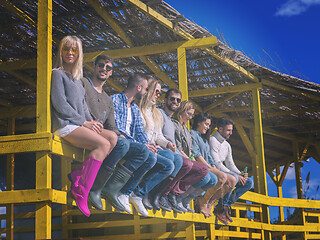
[184,107]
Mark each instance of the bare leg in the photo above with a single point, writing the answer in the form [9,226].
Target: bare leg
[85,138]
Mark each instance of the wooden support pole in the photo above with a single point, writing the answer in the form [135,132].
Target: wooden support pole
[65,186]
[43,160]
[260,160]
[182,71]
[190,231]
[297,164]
[10,185]
[279,189]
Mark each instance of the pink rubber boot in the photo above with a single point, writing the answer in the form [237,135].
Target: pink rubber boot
[81,192]
[74,176]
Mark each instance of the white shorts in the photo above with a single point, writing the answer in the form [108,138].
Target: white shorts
[62,132]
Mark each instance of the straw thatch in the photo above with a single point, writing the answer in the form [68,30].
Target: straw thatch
[290,106]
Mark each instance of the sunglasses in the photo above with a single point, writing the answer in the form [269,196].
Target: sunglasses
[172,99]
[102,65]
[157,93]
[74,50]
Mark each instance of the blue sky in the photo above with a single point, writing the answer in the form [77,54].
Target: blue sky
[285,35]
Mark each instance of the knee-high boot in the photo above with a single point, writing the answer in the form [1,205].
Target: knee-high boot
[81,192]
[118,179]
[102,178]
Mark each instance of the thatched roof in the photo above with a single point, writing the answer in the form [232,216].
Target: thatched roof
[290,106]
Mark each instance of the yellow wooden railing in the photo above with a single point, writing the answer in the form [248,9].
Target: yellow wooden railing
[160,224]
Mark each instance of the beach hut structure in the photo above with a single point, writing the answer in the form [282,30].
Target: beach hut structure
[277,123]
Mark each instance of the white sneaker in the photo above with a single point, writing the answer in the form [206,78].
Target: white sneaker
[137,203]
[124,200]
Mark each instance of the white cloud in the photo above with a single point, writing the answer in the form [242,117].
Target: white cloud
[295,7]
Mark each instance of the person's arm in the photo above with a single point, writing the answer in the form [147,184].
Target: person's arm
[140,134]
[118,116]
[230,163]
[59,101]
[110,123]
[161,140]
[214,151]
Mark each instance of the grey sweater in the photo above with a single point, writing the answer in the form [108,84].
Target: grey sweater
[100,106]
[68,105]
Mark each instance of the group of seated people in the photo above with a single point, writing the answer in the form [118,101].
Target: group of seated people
[165,165]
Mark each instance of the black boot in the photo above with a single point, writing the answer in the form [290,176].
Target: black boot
[103,176]
[118,179]
[146,203]
[156,192]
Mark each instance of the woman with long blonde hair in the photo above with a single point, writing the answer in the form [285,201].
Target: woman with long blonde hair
[72,121]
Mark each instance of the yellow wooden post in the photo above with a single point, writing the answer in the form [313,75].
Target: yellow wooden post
[297,165]
[65,186]
[279,188]
[10,185]
[190,231]
[212,229]
[182,71]
[43,160]
[260,166]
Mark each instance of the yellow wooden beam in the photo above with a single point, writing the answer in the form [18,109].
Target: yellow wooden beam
[27,111]
[10,184]
[296,154]
[284,172]
[109,81]
[25,143]
[23,78]
[182,33]
[152,49]
[219,102]
[182,72]
[223,90]
[246,141]
[33,196]
[310,95]
[20,14]
[5,103]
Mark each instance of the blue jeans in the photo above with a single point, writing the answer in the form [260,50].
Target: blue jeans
[204,184]
[207,182]
[134,153]
[163,168]
[139,173]
[232,196]
[177,160]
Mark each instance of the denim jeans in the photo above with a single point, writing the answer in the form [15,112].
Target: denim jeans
[163,168]
[139,173]
[232,196]
[177,160]
[134,153]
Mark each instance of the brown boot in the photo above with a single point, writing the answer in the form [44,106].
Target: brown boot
[228,210]
[221,214]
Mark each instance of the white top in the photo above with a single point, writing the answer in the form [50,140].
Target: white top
[222,153]
[154,131]
[129,120]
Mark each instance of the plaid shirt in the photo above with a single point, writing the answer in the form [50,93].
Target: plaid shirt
[137,133]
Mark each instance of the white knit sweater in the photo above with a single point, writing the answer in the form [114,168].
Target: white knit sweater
[154,131]
[222,153]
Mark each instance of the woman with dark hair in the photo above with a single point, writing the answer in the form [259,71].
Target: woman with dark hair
[72,121]
[200,135]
